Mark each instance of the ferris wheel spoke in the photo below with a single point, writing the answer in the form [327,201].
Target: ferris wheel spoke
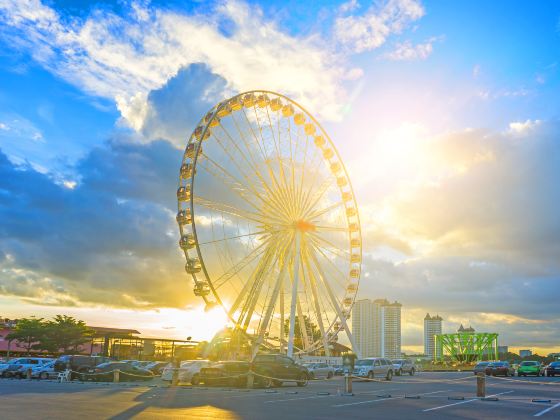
[316,303]
[334,302]
[317,237]
[247,177]
[317,196]
[326,210]
[233,211]
[239,187]
[270,307]
[340,277]
[237,267]
[256,287]
[261,232]
[330,229]
[266,186]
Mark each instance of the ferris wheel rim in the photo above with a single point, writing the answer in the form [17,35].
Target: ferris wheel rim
[191,203]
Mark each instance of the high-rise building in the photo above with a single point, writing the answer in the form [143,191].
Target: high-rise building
[503,349]
[363,327]
[432,327]
[391,330]
[376,327]
[525,353]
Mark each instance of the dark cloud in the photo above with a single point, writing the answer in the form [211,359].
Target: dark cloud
[111,239]
[174,110]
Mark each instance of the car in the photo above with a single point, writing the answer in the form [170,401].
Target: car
[529,367]
[142,363]
[78,364]
[189,371]
[104,372]
[319,370]
[552,369]
[275,369]
[499,368]
[480,367]
[338,370]
[404,366]
[45,371]
[156,367]
[228,373]
[374,367]
[18,367]
[268,370]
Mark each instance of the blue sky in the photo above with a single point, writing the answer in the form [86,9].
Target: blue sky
[446,114]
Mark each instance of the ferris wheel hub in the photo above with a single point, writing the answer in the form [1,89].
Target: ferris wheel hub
[304,226]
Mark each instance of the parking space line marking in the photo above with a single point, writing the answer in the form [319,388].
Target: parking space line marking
[384,399]
[464,402]
[296,399]
[546,410]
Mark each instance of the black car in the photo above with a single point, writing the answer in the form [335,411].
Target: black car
[105,373]
[552,369]
[78,364]
[268,370]
[274,369]
[227,373]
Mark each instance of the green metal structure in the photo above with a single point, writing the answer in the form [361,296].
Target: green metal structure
[466,346]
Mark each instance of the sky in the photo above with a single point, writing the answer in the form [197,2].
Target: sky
[446,114]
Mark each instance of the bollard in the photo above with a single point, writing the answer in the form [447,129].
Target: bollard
[347,383]
[28,374]
[250,380]
[481,384]
[116,375]
[175,377]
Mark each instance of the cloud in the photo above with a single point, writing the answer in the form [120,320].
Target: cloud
[173,111]
[407,51]
[124,57]
[371,30]
[110,240]
[468,227]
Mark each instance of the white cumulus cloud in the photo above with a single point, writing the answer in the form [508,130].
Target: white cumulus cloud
[371,30]
[408,51]
[124,57]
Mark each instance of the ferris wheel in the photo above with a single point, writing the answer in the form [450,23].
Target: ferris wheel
[269,224]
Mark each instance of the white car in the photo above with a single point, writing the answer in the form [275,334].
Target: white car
[44,371]
[23,363]
[320,370]
[189,371]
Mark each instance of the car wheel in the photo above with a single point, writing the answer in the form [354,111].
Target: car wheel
[389,375]
[266,383]
[411,373]
[302,380]
[195,380]
[311,375]
[277,383]
[370,375]
[329,375]
[44,375]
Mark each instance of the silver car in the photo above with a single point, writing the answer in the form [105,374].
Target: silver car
[374,367]
[319,370]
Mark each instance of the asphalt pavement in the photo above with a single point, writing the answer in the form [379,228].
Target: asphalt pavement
[449,395]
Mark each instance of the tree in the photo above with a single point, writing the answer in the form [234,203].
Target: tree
[28,333]
[313,332]
[65,333]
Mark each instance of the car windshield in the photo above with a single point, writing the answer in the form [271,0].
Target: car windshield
[529,363]
[364,363]
[482,364]
[555,364]
[398,361]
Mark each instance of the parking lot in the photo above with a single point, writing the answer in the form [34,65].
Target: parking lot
[427,395]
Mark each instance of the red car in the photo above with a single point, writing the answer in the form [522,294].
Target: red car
[499,369]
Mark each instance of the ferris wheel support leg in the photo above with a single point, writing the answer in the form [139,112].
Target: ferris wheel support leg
[312,282]
[336,305]
[270,309]
[294,299]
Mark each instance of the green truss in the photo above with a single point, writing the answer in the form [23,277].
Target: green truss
[466,347]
